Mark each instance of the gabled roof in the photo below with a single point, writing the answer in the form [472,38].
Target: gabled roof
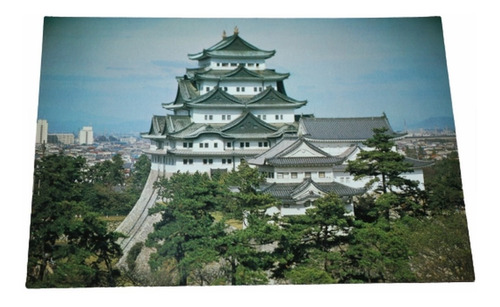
[287,192]
[343,129]
[162,125]
[272,98]
[297,153]
[216,96]
[232,47]
[240,73]
[185,92]
[248,124]
[245,127]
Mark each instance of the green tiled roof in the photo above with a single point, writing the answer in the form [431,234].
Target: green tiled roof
[271,97]
[245,127]
[238,74]
[232,47]
[248,124]
[286,191]
[277,156]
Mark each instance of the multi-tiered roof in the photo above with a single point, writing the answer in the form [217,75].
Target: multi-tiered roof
[231,75]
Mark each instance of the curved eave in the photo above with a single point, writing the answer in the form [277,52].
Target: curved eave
[153,136]
[172,106]
[205,54]
[240,78]
[285,163]
[225,153]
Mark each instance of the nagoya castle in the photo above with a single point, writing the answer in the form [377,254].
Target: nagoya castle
[231,107]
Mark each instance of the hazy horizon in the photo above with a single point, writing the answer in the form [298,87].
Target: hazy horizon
[114,73]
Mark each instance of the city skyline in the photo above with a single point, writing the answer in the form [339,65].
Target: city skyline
[113,73]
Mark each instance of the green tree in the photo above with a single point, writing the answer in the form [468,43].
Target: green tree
[244,251]
[440,248]
[382,163]
[109,172]
[312,242]
[65,237]
[378,252]
[187,230]
[443,183]
[140,173]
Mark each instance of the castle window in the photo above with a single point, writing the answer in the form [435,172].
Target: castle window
[294,175]
[210,161]
[243,89]
[223,161]
[216,145]
[205,161]
[255,89]
[187,145]
[224,64]
[247,144]
[264,117]
[228,144]
[225,88]
[237,88]
[223,117]
[265,144]
[321,174]
[229,161]
[207,88]
[307,174]
[234,64]
[201,145]
[276,116]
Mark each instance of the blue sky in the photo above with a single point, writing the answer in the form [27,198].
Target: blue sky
[115,72]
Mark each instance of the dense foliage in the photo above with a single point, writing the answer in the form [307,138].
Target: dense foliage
[70,244]
[215,230]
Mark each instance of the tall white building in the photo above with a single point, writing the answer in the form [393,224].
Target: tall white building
[42,131]
[86,136]
[231,107]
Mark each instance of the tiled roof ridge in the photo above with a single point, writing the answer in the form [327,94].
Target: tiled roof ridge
[243,117]
[226,43]
[271,91]
[299,142]
[216,90]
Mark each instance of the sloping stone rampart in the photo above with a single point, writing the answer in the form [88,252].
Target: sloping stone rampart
[138,223]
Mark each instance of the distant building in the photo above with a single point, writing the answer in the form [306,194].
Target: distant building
[42,130]
[86,136]
[62,138]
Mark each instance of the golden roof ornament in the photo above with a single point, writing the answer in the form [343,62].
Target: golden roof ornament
[236,31]
[224,34]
